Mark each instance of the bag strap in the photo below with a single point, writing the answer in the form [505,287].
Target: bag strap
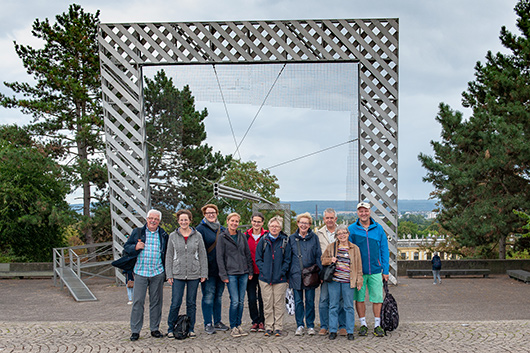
[385,287]
[299,254]
[210,249]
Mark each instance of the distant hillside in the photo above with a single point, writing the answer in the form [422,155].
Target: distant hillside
[342,206]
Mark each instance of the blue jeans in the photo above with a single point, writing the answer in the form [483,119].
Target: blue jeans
[212,299]
[177,292]
[338,291]
[308,311]
[323,308]
[237,286]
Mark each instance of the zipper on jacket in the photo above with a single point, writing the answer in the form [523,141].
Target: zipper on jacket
[368,247]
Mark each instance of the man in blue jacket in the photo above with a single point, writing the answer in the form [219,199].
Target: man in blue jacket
[149,244]
[372,241]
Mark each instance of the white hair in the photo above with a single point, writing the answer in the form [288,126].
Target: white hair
[155,211]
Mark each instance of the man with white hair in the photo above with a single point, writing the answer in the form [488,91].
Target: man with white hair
[149,244]
[326,236]
[372,241]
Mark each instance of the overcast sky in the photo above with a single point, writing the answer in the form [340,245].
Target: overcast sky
[439,44]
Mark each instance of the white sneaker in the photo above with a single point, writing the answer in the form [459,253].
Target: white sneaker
[311,331]
[299,331]
[129,302]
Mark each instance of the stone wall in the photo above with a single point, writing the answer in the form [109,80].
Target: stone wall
[495,266]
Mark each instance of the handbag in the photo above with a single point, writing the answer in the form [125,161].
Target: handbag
[130,284]
[310,275]
[328,271]
[289,301]
[126,262]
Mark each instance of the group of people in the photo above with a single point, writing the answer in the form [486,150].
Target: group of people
[261,264]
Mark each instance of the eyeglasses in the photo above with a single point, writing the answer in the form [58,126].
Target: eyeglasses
[210,213]
[257,221]
[153,219]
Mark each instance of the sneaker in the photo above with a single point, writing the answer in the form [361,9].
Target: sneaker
[379,332]
[363,330]
[129,302]
[235,332]
[323,332]
[277,333]
[332,335]
[209,329]
[170,335]
[242,332]
[261,327]
[221,327]
[268,333]
[299,331]
[342,332]
[192,334]
[254,328]
[311,331]
[350,337]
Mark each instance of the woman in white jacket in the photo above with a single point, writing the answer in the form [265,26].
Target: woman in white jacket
[186,265]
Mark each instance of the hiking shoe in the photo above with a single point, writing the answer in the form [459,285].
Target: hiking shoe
[209,329]
[379,332]
[221,327]
[277,333]
[192,334]
[268,333]
[254,328]
[332,335]
[323,332]
[363,330]
[350,337]
[299,331]
[261,327]
[242,332]
[342,332]
[235,332]
[311,331]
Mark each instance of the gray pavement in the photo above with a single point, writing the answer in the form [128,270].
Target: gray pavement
[460,315]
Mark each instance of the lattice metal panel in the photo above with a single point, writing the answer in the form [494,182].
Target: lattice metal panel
[126,48]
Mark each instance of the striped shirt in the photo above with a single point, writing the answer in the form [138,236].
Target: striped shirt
[149,263]
[342,271]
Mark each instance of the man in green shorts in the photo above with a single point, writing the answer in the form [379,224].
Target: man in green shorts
[371,239]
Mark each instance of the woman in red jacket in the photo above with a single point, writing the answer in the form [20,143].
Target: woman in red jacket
[255,302]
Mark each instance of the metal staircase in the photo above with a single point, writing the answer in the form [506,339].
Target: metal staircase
[70,263]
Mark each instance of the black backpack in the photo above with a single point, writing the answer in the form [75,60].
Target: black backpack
[389,311]
[436,263]
[182,327]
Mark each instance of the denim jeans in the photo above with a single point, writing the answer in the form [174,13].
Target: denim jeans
[212,299]
[323,308]
[177,292]
[255,301]
[336,292]
[436,276]
[237,285]
[308,311]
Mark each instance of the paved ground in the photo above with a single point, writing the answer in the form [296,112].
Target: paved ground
[461,315]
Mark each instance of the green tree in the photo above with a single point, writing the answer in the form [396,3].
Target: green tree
[32,198]
[65,101]
[407,228]
[480,169]
[180,162]
[246,176]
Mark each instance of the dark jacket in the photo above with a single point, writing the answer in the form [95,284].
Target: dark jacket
[139,233]
[233,258]
[311,254]
[436,263]
[208,236]
[272,260]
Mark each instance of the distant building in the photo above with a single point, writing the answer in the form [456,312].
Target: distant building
[410,249]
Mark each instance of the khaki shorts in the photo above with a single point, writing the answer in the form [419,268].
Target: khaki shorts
[375,289]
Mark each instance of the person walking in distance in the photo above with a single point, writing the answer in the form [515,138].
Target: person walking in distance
[436,268]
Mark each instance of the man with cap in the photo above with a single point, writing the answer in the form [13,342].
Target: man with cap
[372,241]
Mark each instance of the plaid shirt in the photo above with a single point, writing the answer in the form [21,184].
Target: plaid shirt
[149,263]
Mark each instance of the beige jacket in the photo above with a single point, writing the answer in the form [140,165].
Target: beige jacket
[323,238]
[356,265]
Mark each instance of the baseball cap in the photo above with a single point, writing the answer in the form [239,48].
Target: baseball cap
[363,204]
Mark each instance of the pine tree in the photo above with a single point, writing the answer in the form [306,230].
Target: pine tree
[481,167]
[65,101]
[180,162]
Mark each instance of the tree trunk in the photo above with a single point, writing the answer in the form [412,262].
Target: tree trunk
[502,247]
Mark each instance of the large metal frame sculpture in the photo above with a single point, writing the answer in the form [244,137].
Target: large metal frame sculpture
[126,48]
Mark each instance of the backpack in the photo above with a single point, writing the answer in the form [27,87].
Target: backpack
[389,311]
[436,263]
[182,327]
